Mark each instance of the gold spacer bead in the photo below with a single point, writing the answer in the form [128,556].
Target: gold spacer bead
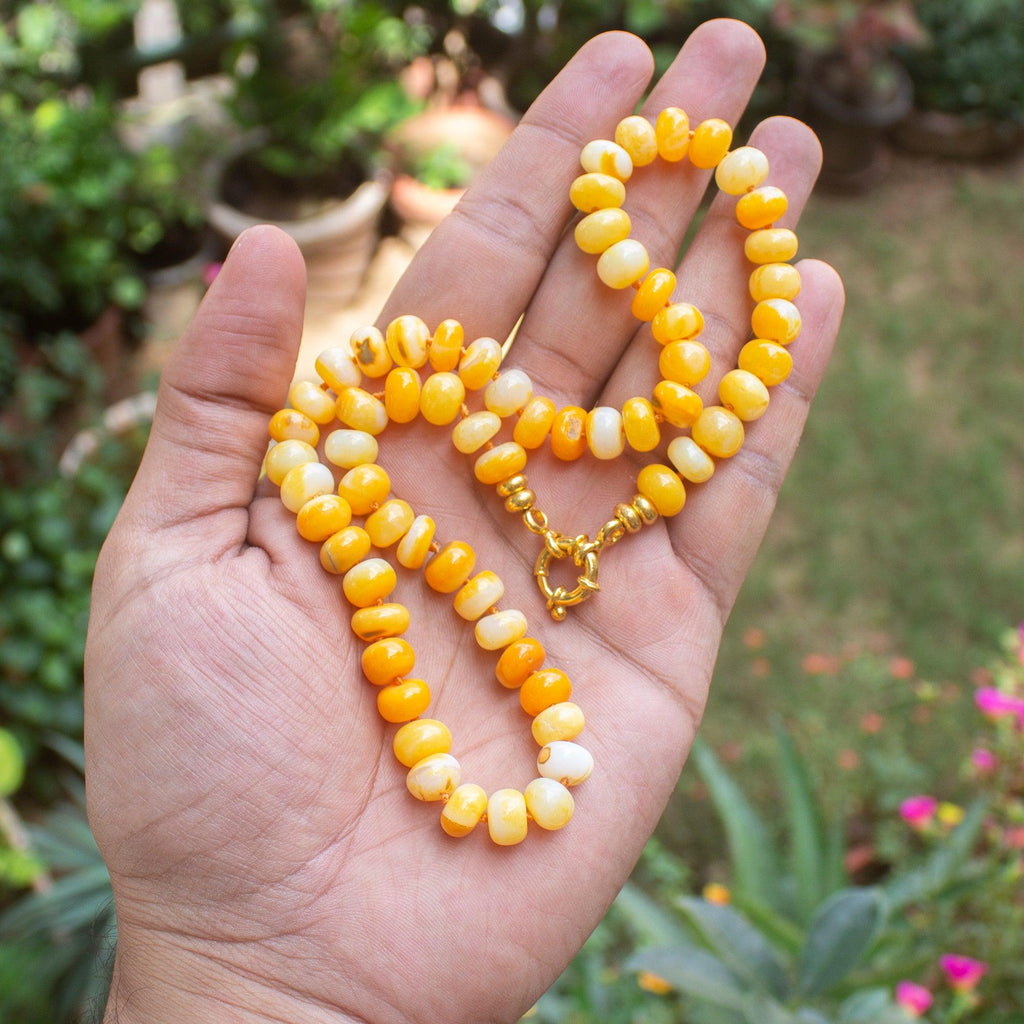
[629,517]
[645,509]
[512,484]
[521,501]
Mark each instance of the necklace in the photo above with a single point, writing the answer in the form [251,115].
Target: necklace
[325,509]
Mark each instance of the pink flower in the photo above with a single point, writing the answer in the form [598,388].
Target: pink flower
[996,704]
[914,998]
[983,761]
[210,272]
[918,811]
[962,972]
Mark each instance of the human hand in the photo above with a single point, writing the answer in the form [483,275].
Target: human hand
[266,858]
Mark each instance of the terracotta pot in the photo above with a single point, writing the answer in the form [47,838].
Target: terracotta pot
[337,242]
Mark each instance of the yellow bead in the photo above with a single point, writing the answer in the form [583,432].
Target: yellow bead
[654,294]
[379,621]
[690,460]
[606,437]
[501,462]
[389,523]
[603,156]
[711,141]
[419,739]
[414,547]
[544,688]
[601,229]
[292,425]
[370,352]
[623,263]
[562,721]
[472,433]
[508,392]
[590,192]
[640,425]
[337,369]
[774,281]
[569,433]
[676,403]
[348,448]
[662,488]
[672,131]
[369,582]
[305,482]
[478,595]
[686,362]
[776,320]
[359,410]
[534,423]
[636,135]
[450,567]
[761,207]
[499,629]
[741,170]
[365,487]
[434,778]
[506,817]
[344,549]
[479,363]
[285,456]
[387,660]
[766,360]
[402,394]
[312,400]
[441,398]
[676,322]
[718,431]
[549,803]
[770,245]
[744,394]
[463,810]
[404,701]
[407,339]
[322,516]
[519,661]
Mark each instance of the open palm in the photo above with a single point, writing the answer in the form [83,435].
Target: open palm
[267,860]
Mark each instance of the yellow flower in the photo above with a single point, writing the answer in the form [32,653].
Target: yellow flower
[652,983]
[715,892]
[949,814]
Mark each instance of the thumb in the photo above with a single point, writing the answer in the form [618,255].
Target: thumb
[229,372]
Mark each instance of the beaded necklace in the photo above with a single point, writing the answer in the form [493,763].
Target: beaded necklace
[325,508]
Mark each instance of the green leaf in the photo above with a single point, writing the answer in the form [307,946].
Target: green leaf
[837,937]
[650,923]
[780,930]
[754,862]
[808,838]
[871,1006]
[694,971]
[739,945]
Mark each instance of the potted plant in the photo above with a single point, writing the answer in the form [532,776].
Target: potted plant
[969,102]
[316,91]
[851,87]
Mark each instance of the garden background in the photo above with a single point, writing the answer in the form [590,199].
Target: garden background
[859,858]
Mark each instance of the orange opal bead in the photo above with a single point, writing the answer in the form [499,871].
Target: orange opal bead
[534,423]
[323,516]
[292,425]
[402,394]
[662,488]
[654,293]
[544,688]
[402,702]
[450,567]
[569,433]
[386,660]
[379,621]
[519,661]
[344,549]
[676,403]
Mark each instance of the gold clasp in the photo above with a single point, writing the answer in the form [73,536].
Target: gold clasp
[584,552]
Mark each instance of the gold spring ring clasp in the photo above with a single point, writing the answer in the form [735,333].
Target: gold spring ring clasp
[583,552]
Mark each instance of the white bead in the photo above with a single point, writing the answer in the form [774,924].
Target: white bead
[337,368]
[623,263]
[349,448]
[479,595]
[549,803]
[562,721]
[434,778]
[508,393]
[472,433]
[414,547]
[606,435]
[499,629]
[566,762]
[506,817]
[605,157]
[304,482]
[692,462]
